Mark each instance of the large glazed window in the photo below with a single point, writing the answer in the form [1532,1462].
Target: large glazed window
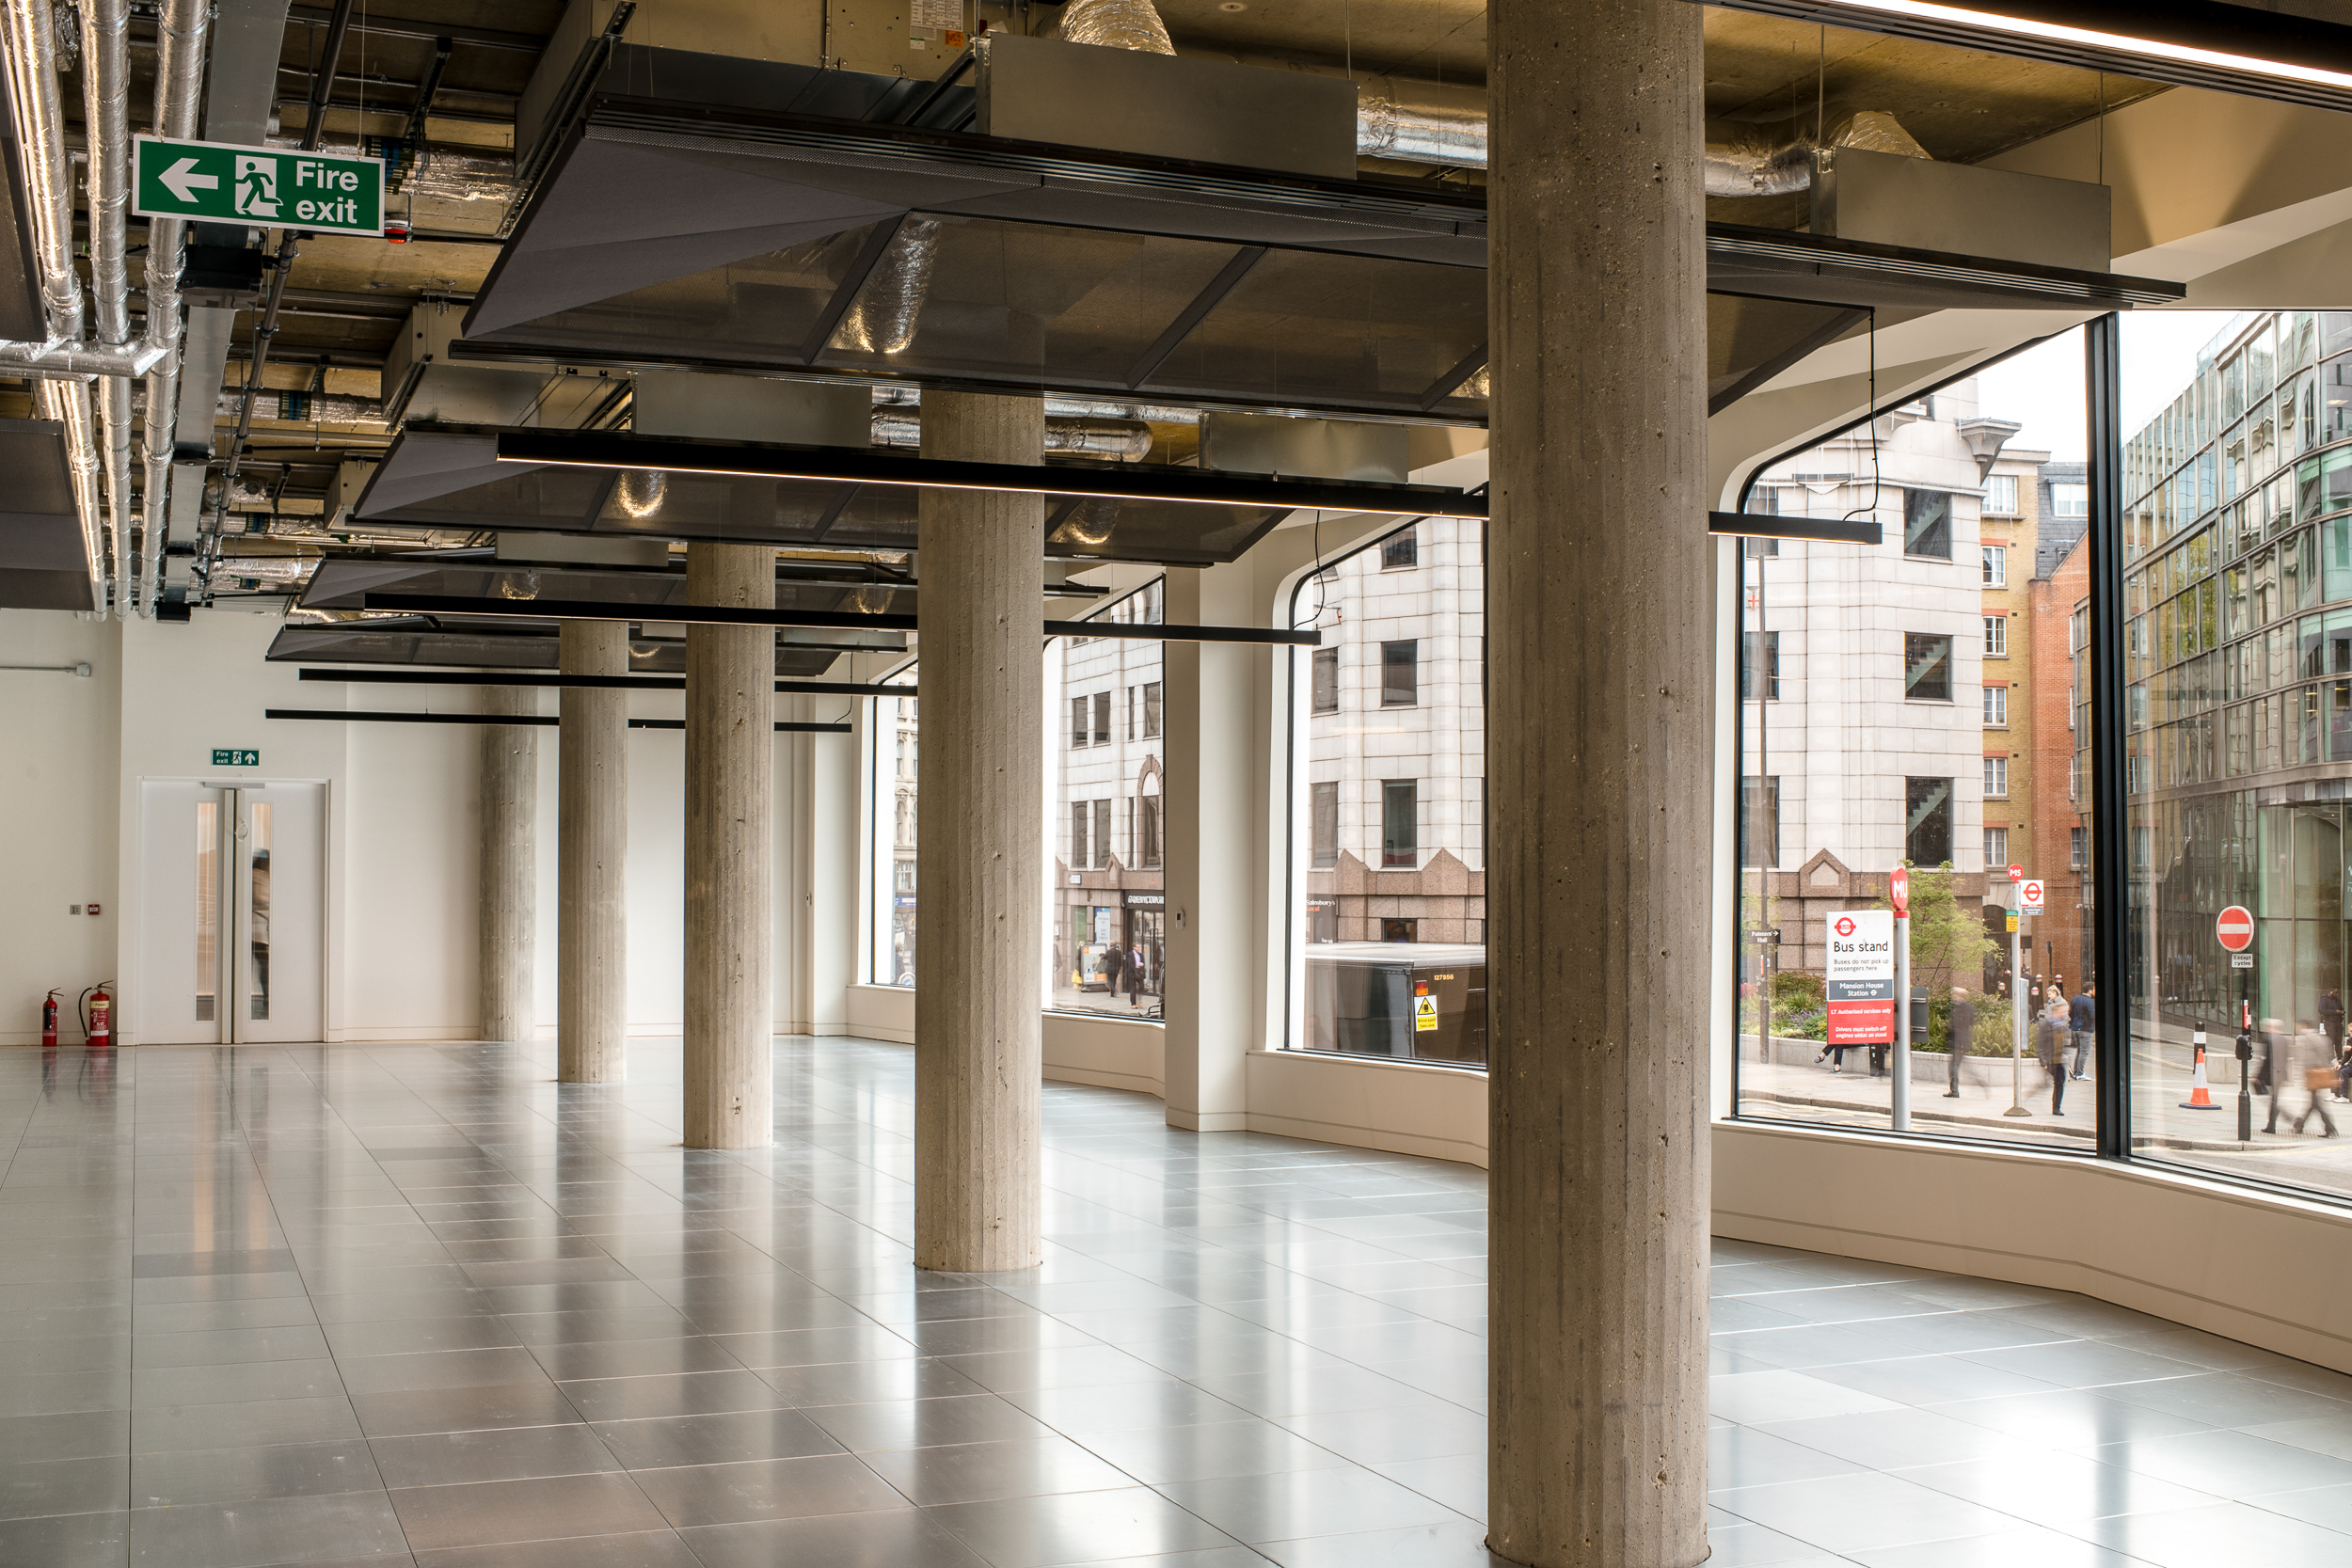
[893,770]
[1906,704]
[1106,908]
[1388,767]
[2238,655]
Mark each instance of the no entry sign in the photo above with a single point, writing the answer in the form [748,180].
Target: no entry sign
[2233,927]
[1860,979]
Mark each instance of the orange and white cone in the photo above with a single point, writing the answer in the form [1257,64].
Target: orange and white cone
[2199,1092]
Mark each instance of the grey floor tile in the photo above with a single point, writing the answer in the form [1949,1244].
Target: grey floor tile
[215,1347]
[494,1513]
[489,1367]
[80,1540]
[2233,1464]
[1459,1544]
[1207,1450]
[2058,1490]
[668,1441]
[2325,1434]
[503,1453]
[1296,1503]
[644,1549]
[649,1357]
[622,1399]
[2231,1533]
[86,1434]
[1458,1481]
[1378,1437]
[2068,1419]
[979,1472]
[1860,1513]
[153,1388]
[261,1533]
[1742,1545]
[1897,1439]
[2027,1546]
[239,1424]
[184,1475]
[907,1538]
[767,1489]
[1753,1399]
[924,1423]
[37,1490]
[1074,1527]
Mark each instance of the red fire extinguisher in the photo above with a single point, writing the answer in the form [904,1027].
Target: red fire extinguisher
[97,1026]
[49,1023]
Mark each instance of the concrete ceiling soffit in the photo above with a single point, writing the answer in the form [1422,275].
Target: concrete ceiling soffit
[2205,181]
[2312,273]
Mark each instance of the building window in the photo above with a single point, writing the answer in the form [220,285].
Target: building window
[1147,833]
[1079,728]
[1997,565]
[2000,494]
[1323,808]
[1771,664]
[1326,680]
[1997,637]
[1400,550]
[1759,824]
[1996,706]
[1927,524]
[2075,856]
[2073,500]
[1392,930]
[1081,819]
[1400,837]
[1995,847]
[1928,822]
[2075,775]
[1400,673]
[1102,718]
[1763,501]
[1102,829]
[1927,667]
[1997,778]
[1150,710]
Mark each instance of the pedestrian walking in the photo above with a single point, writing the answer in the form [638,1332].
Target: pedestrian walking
[2049,1048]
[1962,1032]
[1113,964]
[2082,1017]
[1134,976]
[2315,1064]
[2331,1019]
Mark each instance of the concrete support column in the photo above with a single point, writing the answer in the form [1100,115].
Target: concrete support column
[1599,762]
[591,860]
[1214,847]
[730,802]
[979,856]
[510,865]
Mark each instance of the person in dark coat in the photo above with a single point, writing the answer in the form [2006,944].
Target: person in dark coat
[2082,1018]
[1963,1031]
[2049,1048]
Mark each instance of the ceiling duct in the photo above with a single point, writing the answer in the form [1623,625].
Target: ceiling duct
[1066,436]
[1777,159]
[1116,25]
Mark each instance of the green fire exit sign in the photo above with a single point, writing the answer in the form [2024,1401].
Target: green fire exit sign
[235,759]
[266,187]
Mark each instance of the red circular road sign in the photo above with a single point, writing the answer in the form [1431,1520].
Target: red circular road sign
[1898,889]
[2233,927]
[2017,873]
[1845,927]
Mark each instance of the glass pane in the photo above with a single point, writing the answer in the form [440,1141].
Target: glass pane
[1389,746]
[893,731]
[207,910]
[261,909]
[1917,714]
[1108,909]
[2251,822]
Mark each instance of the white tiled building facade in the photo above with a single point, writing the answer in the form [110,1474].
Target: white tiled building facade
[1105,705]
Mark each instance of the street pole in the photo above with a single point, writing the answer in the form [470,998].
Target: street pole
[1900,1104]
[2244,1057]
[2016,1017]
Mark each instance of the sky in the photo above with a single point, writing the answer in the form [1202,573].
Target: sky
[2043,387]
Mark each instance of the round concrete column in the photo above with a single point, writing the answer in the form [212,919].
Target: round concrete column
[730,795]
[591,860]
[510,865]
[1599,763]
[980,847]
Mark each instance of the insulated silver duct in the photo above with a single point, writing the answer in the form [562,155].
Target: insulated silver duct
[48,176]
[1420,122]
[180,34]
[1066,436]
[890,306]
[74,363]
[1758,160]
[107,116]
[1116,25]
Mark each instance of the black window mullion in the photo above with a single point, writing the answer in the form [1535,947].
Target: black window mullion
[2106,795]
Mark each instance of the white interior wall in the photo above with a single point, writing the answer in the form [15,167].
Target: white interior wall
[65,735]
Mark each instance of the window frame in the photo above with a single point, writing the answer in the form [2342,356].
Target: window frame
[1914,649]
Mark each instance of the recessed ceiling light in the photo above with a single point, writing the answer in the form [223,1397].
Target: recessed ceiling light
[1232,5]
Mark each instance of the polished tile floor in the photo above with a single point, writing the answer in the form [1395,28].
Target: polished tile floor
[395,1304]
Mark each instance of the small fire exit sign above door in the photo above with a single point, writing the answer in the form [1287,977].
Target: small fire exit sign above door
[235,759]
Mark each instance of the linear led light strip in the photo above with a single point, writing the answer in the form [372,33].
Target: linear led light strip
[2125,43]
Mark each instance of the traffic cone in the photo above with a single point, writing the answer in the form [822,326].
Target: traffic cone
[2199,1093]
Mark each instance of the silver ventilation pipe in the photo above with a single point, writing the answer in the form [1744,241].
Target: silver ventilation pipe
[1420,122]
[77,362]
[107,116]
[40,114]
[1768,160]
[1116,25]
[180,31]
[1066,436]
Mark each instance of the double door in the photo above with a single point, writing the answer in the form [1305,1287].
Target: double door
[232,914]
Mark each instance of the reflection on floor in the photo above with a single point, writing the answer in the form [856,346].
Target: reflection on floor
[398,1304]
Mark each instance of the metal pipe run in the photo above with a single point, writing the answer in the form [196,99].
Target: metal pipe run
[181,32]
[107,121]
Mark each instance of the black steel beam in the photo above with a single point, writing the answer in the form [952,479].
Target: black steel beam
[1762,525]
[398,715]
[645,683]
[1446,385]
[1827,333]
[485,38]
[2110,871]
[724,615]
[864,466]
